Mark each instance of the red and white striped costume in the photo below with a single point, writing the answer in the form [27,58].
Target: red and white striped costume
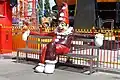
[59,45]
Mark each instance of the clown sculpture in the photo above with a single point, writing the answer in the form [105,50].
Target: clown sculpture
[59,45]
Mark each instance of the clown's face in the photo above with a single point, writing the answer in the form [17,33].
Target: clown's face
[62,27]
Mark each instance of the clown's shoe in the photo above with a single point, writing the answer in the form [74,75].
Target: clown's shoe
[39,68]
[50,66]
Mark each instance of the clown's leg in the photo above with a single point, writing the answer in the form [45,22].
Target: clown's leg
[50,58]
[40,67]
[43,54]
[61,50]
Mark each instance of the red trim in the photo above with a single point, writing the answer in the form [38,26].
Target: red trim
[33,5]
[26,8]
[5,11]
[2,9]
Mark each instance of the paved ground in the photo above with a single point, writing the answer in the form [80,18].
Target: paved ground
[9,70]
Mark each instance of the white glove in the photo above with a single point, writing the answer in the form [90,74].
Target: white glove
[25,35]
[99,39]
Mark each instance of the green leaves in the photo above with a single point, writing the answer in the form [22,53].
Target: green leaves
[47,8]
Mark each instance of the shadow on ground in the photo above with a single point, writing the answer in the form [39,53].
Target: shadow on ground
[72,67]
[61,66]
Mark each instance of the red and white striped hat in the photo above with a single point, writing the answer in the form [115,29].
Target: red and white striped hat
[63,13]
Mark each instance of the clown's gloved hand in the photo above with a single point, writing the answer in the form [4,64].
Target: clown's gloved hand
[99,39]
[25,35]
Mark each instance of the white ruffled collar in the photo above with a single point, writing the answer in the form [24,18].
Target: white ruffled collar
[67,32]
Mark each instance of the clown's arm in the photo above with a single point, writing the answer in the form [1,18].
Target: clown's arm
[28,32]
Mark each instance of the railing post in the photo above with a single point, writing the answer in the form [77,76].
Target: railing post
[93,34]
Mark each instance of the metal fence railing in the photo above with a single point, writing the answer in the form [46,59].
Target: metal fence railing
[109,53]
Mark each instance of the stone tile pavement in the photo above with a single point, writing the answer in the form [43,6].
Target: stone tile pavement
[9,70]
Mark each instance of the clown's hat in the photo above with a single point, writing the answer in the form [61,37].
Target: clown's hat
[63,13]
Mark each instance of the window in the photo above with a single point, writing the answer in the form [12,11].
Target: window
[71,14]
[2,8]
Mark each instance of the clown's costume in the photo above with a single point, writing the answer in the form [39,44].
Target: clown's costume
[59,45]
